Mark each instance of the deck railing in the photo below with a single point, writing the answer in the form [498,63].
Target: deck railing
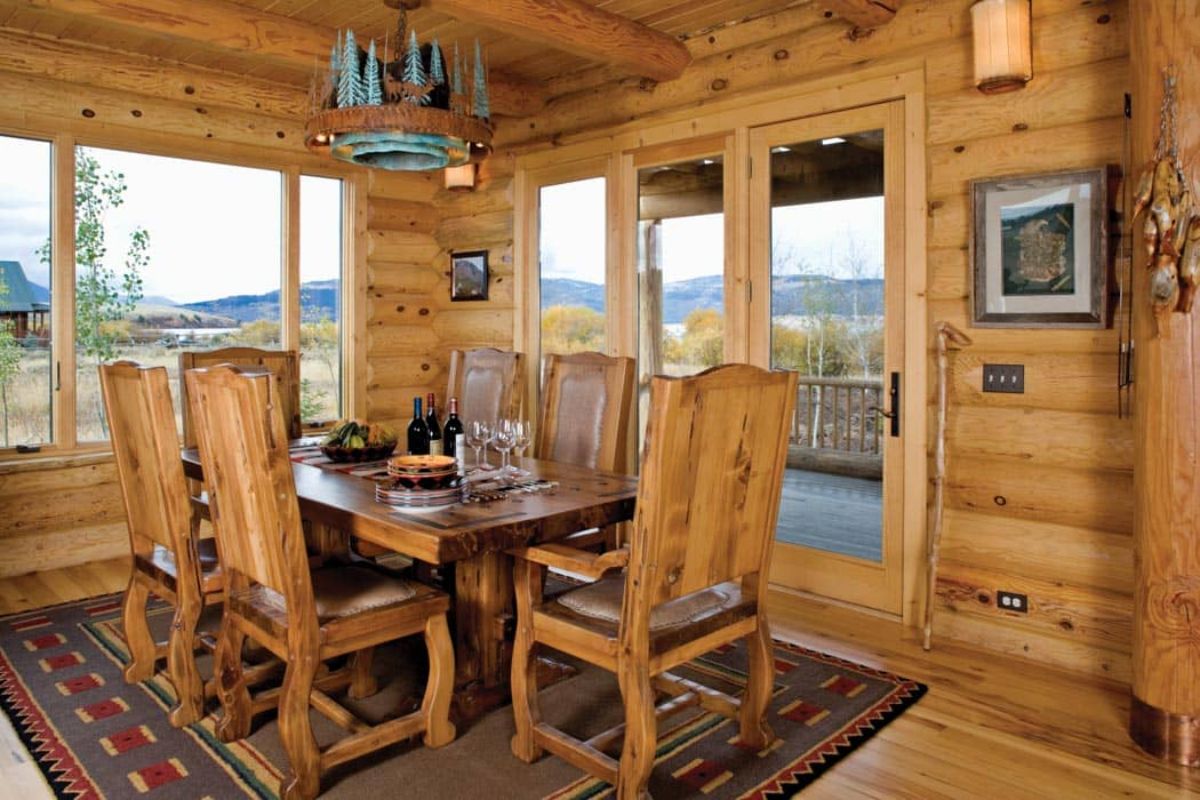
[836,414]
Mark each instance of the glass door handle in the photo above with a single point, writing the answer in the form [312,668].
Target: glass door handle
[894,414]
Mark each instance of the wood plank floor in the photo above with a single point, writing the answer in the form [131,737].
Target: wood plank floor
[991,726]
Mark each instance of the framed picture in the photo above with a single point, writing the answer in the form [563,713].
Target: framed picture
[1039,249]
[469,275]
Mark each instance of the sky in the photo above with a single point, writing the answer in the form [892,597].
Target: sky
[572,236]
[215,229]
[201,249]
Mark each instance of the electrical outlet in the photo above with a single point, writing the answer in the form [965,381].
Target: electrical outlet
[1009,378]
[1011,601]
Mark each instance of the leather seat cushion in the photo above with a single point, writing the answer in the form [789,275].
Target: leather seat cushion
[602,600]
[347,590]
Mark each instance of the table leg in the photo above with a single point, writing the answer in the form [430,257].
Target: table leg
[483,600]
[484,627]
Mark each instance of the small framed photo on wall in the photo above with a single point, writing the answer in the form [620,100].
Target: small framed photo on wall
[469,275]
[1039,251]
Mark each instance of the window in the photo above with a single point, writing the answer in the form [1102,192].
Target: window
[571,255]
[170,255]
[681,267]
[25,358]
[320,299]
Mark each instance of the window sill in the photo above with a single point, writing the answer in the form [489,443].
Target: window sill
[12,462]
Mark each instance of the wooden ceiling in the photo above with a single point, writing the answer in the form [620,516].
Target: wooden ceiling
[113,24]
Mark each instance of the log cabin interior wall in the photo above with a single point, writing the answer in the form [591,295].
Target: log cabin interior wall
[1040,485]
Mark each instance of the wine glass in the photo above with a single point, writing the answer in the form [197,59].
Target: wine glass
[524,436]
[504,436]
[524,439]
[478,435]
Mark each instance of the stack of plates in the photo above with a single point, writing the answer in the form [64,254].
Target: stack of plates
[395,495]
[421,482]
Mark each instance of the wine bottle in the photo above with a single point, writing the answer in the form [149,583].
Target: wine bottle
[418,432]
[454,429]
[436,445]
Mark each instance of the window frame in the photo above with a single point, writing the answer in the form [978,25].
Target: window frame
[527,318]
[64,439]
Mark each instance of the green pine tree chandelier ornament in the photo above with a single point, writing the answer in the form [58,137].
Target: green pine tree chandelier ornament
[411,112]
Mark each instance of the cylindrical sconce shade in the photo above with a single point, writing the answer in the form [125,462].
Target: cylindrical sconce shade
[460,179]
[1003,45]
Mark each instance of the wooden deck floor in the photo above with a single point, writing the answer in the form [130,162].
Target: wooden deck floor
[832,512]
[991,726]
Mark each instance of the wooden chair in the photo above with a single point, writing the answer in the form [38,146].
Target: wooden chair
[584,419]
[167,557]
[304,618]
[284,365]
[487,383]
[697,565]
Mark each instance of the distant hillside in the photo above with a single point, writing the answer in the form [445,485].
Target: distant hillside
[800,295]
[317,298]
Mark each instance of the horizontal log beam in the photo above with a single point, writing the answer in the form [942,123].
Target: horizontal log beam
[579,28]
[223,25]
[864,13]
[38,56]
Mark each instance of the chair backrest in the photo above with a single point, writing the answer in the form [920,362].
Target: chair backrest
[284,366]
[585,410]
[137,404]
[244,452]
[487,383]
[712,471]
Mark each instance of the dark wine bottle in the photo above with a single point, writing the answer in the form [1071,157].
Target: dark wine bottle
[454,428]
[435,428]
[418,432]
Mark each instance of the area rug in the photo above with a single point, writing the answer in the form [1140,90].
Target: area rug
[94,736]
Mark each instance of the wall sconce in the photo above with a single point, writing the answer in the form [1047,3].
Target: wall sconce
[460,179]
[1003,44]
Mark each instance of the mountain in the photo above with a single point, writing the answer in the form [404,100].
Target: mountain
[318,299]
[799,295]
[40,293]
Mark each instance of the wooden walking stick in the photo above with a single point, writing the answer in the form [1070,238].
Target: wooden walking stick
[947,335]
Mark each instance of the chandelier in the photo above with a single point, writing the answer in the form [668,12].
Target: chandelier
[416,111]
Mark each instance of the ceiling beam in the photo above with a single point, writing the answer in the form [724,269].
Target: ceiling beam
[864,13]
[228,26]
[579,28]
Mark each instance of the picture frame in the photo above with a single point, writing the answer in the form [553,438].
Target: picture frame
[1039,250]
[469,275]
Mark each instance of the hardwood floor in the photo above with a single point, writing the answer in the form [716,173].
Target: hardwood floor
[991,726]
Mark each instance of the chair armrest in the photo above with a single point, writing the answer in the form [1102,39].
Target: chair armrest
[570,559]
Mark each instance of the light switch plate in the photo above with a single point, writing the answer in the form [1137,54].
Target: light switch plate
[1007,378]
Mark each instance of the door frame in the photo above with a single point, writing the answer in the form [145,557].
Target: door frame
[854,580]
[735,115]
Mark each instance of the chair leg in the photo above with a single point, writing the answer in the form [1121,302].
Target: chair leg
[439,690]
[528,581]
[181,663]
[754,730]
[362,682]
[231,683]
[295,728]
[641,732]
[137,633]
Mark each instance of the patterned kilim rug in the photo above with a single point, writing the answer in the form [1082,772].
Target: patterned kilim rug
[93,736]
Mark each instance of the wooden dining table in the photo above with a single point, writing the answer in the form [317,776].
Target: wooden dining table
[473,537]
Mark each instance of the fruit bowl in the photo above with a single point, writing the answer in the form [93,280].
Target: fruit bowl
[353,455]
[355,441]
